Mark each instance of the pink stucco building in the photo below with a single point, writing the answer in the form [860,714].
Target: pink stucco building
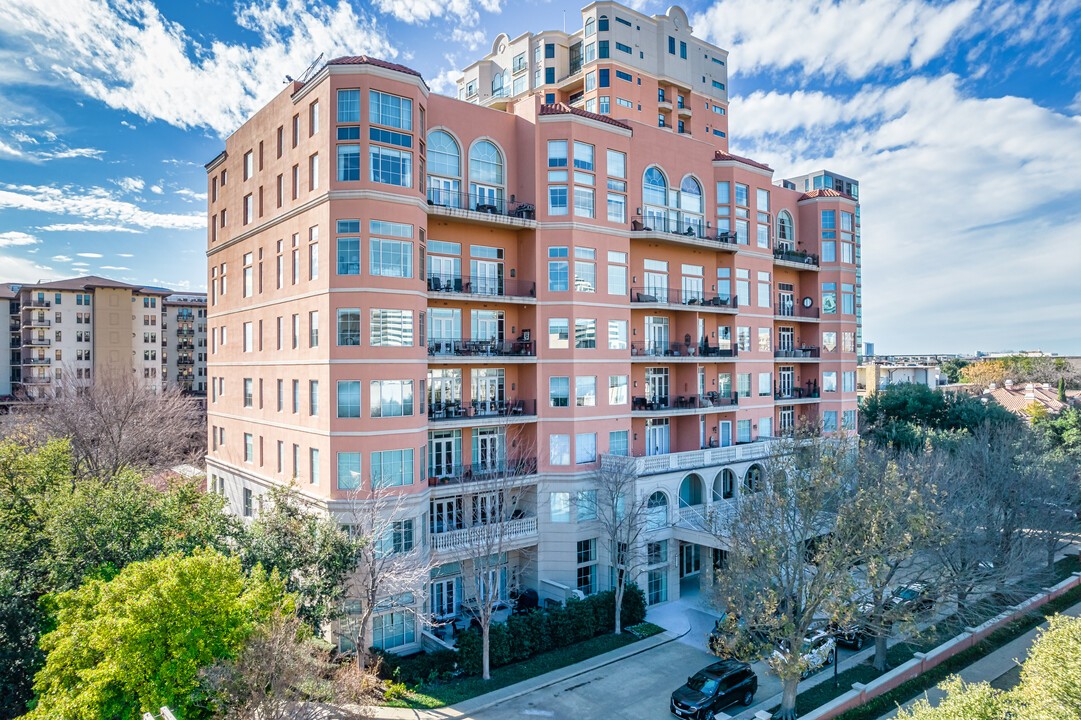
[428,290]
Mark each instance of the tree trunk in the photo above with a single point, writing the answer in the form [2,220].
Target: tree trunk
[962,597]
[1051,556]
[619,610]
[880,652]
[486,671]
[788,698]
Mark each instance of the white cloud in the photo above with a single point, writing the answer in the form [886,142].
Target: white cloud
[124,255]
[14,237]
[113,267]
[127,55]
[848,37]
[968,206]
[1075,106]
[61,258]
[22,270]
[156,189]
[86,227]
[446,82]
[80,264]
[419,11]
[191,195]
[89,255]
[92,204]
[131,185]
[472,39]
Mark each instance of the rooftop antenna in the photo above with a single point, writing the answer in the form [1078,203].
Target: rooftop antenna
[564,21]
[311,69]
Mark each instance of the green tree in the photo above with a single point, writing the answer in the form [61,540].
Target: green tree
[1062,432]
[962,702]
[1062,389]
[953,369]
[309,550]
[909,415]
[136,642]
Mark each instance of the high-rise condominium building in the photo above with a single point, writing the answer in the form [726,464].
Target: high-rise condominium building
[183,342]
[424,292]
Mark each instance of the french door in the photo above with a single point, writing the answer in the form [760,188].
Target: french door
[445,515]
[488,278]
[690,559]
[444,453]
[726,433]
[657,437]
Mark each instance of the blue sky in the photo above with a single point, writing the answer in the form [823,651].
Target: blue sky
[961,119]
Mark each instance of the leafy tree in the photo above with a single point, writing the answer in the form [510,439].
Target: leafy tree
[1062,389]
[136,642]
[984,372]
[962,702]
[312,554]
[953,369]
[908,415]
[1062,432]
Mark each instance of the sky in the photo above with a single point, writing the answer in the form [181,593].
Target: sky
[962,121]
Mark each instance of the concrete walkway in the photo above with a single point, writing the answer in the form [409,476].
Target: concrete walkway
[998,668]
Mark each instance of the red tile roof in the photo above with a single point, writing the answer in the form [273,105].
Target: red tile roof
[825,192]
[561,109]
[720,155]
[368,60]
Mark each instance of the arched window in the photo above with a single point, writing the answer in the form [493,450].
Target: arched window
[753,479]
[690,204]
[485,177]
[786,236]
[602,24]
[657,511]
[591,26]
[655,199]
[444,169]
[690,491]
[724,485]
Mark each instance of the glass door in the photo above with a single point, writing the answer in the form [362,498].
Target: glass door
[444,453]
[444,391]
[656,335]
[487,278]
[690,559]
[487,390]
[657,387]
[444,329]
[488,444]
[442,191]
[444,598]
[487,198]
[692,289]
[726,433]
[487,324]
[786,378]
[656,437]
[786,420]
[446,515]
[443,273]
[786,338]
[657,286]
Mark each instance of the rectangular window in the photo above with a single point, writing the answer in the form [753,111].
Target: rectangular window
[348,163]
[249,448]
[617,279]
[559,453]
[763,340]
[617,443]
[313,172]
[585,448]
[348,398]
[348,106]
[617,334]
[558,333]
[829,219]
[348,470]
[585,391]
[557,200]
[829,298]
[390,258]
[313,398]
[391,398]
[829,251]
[348,327]
[620,75]
[586,502]
[829,381]
[313,329]
[617,208]
[392,468]
[560,501]
[390,110]
[623,48]
[617,389]
[557,153]
[558,391]
[558,270]
[765,385]
[743,385]
[585,333]
[848,418]
[247,392]
[583,202]
[603,76]
[349,256]
[390,328]
[848,381]
[829,421]
[390,167]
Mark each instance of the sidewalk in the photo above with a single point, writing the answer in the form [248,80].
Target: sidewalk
[993,666]
[481,702]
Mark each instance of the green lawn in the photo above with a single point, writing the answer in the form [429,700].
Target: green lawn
[455,691]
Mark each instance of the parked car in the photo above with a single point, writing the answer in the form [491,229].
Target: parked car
[721,639]
[914,596]
[714,688]
[852,633]
[817,652]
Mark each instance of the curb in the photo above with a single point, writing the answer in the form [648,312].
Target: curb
[483,702]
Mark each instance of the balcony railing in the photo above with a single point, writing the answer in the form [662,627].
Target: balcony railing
[482,285]
[790,307]
[439,411]
[796,353]
[673,462]
[185,332]
[516,529]
[37,361]
[40,322]
[504,468]
[794,256]
[38,342]
[680,226]
[185,361]
[38,303]
[460,200]
[683,402]
[185,346]
[458,347]
[676,296]
[796,393]
[36,380]
[650,348]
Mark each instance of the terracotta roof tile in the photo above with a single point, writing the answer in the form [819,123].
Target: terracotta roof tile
[825,192]
[561,109]
[368,60]
[721,155]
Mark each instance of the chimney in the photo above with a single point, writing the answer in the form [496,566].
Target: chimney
[1008,384]
[1030,392]
[993,386]
[1047,386]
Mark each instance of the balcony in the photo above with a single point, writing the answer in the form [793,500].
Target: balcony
[481,208]
[185,361]
[797,395]
[690,460]
[649,350]
[506,469]
[682,404]
[184,346]
[486,411]
[35,303]
[39,380]
[798,260]
[788,308]
[666,229]
[37,361]
[523,528]
[482,287]
[683,299]
[802,353]
[480,349]
[185,332]
[39,322]
[37,342]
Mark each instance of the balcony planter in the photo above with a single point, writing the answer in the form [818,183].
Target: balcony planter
[432,481]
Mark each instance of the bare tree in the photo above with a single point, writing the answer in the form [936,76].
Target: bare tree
[895,532]
[788,560]
[119,422]
[622,513]
[390,560]
[1051,492]
[497,519]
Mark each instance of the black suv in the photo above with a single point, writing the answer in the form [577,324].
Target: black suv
[714,688]
[916,597]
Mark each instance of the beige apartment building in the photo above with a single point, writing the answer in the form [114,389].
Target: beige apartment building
[424,294]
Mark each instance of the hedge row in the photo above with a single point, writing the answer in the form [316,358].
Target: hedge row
[523,636]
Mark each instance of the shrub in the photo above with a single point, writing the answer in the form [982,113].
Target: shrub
[634,606]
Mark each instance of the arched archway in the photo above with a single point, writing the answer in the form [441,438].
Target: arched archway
[657,511]
[724,485]
[752,481]
[691,491]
